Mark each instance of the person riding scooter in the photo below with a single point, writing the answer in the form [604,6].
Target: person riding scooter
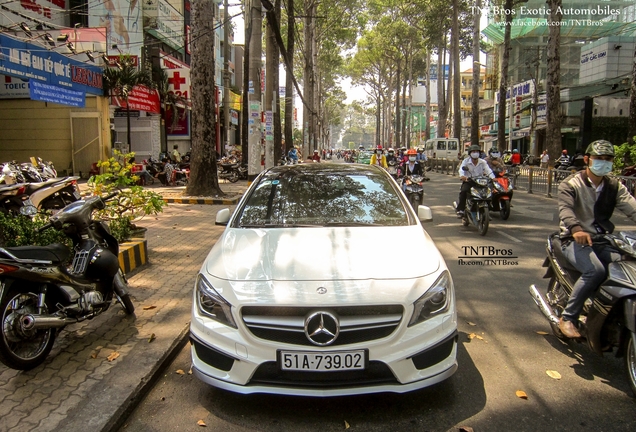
[587,200]
[476,167]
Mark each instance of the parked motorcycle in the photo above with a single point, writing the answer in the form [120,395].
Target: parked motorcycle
[609,320]
[11,174]
[230,171]
[14,201]
[414,190]
[478,204]
[53,194]
[46,168]
[30,173]
[501,194]
[45,288]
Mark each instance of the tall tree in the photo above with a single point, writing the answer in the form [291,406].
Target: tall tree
[503,80]
[553,81]
[631,130]
[474,121]
[203,172]
[289,89]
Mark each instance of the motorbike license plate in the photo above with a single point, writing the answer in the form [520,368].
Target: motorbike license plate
[77,195]
[322,361]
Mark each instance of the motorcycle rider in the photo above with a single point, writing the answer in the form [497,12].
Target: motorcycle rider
[412,165]
[378,158]
[586,202]
[316,156]
[293,155]
[563,160]
[494,160]
[476,167]
[391,156]
[515,159]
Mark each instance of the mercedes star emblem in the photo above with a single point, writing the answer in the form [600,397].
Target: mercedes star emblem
[321,290]
[322,328]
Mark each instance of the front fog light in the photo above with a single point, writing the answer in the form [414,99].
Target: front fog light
[435,301]
[211,304]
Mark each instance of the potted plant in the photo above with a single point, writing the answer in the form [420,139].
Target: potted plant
[131,204]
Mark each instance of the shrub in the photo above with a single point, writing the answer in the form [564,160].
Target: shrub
[132,203]
[22,231]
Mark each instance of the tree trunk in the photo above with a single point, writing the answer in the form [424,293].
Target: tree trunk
[474,121]
[203,173]
[289,90]
[254,108]
[271,65]
[245,112]
[427,133]
[398,124]
[457,108]
[441,94]
[503,83]
[278,149]
[553,85]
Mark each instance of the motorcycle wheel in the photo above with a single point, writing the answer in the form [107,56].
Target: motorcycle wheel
[233,177]
[123,299]
[22,350]
[630,361]
[414,200]
[484,221]
[504,209]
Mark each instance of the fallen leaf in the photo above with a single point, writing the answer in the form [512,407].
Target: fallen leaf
[201,423]
[474,335]
[180,372]
[152,337]
[471,323]
[347,425]
[163,398]
[521,394]
[542,333]
[174,227]
[112,356]
[94,354]
[187,255]
[190,371]
[149,307]
[466,429]
[553,374]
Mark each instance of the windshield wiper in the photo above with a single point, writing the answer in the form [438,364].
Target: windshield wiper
[272,225]
[365,224]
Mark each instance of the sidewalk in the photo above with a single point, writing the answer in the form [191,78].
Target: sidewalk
[78,388]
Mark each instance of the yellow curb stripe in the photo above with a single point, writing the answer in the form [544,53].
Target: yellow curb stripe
[132,255]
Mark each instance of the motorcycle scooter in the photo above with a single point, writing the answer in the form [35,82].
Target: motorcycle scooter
[45,288]
[501,194]
[608,320]
[478,204]
[414,190]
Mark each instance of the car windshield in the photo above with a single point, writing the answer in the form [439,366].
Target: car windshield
[322,198]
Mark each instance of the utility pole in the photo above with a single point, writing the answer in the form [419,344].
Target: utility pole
[254,109]
[226,78]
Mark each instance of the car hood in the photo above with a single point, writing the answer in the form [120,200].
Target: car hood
[323,254]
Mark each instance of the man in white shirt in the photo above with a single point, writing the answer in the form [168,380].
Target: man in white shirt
[545,158]
[471,167]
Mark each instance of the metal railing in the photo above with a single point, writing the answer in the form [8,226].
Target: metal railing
[531,179]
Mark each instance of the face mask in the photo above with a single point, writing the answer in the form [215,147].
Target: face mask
[495,155]
[412,158]
[379,152]
[474,155]
[601,167]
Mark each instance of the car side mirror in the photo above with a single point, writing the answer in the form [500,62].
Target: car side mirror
[424,214]
[223,217]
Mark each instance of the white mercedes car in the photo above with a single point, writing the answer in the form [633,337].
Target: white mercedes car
[324,283]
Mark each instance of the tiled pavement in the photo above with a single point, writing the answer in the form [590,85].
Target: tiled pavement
[78,388]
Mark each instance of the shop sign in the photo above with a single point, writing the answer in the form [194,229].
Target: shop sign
[140,98]
[28,61]
[13,88]
[40,91]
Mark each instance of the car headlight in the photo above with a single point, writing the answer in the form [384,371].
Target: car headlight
[211,304]
[435,301]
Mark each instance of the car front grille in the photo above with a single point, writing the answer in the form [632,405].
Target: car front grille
[357,323]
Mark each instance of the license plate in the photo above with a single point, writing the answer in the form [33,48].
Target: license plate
[77,195]
[322,361]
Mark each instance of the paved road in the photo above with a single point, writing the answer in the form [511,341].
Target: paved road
[509,355]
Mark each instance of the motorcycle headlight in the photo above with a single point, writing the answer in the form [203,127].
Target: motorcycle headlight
[435,301]
[475,193]
[482,181]
[499,187]
[211,304]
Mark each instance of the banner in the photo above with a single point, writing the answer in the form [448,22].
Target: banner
[140,98]
[50,93]
[29,61]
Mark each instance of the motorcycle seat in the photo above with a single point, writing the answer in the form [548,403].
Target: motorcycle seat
[56,253]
